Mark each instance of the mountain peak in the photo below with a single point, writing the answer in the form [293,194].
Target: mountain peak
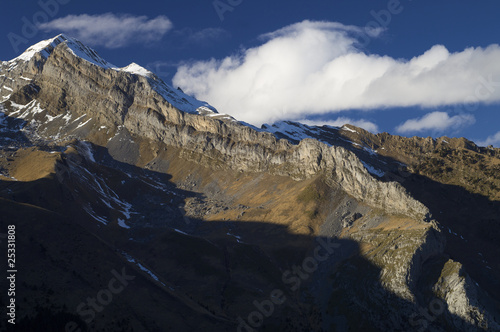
[134,68]
[45,48]
[77,48]
[74,47]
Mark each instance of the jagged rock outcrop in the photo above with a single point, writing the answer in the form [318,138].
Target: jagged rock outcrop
[462,297]
[401,254]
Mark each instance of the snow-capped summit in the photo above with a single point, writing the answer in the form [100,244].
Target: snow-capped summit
[45,48]
[134,68]
[175,97]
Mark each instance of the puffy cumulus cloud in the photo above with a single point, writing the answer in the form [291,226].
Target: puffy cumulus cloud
[319,67]
[491,140]
[436,121]
[340,121]
[111,30]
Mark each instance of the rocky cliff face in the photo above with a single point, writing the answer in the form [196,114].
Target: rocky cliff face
[463,299]
[113,99]
[152,172]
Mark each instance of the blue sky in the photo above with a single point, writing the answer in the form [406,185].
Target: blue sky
[405,67]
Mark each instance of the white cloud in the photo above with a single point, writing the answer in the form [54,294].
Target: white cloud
[436,121]
[319,68]
[491,140]
[339,122]
[111,30]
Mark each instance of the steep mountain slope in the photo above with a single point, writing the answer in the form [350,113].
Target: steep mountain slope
[212,216]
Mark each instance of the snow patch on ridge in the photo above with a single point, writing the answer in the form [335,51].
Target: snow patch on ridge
[349,129]
[294,130]
[122,223]
[178,99]
[179,231]
[91,213]
[140,266]
[86,53]
[373,170]
[134,68]
[86,150]
[297,131]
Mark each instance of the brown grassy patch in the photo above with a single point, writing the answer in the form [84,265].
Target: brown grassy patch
[32,164]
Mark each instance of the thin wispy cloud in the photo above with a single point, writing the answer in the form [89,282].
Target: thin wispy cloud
[314,68]
[491,140]
[111,30]
[436,121]
[162,68]
[207,35]
[189,37]
[340,121]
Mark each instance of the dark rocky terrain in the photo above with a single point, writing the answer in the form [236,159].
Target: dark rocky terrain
[222,226]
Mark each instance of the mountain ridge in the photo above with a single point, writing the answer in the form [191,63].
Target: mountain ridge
[301,164]
[138,164]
